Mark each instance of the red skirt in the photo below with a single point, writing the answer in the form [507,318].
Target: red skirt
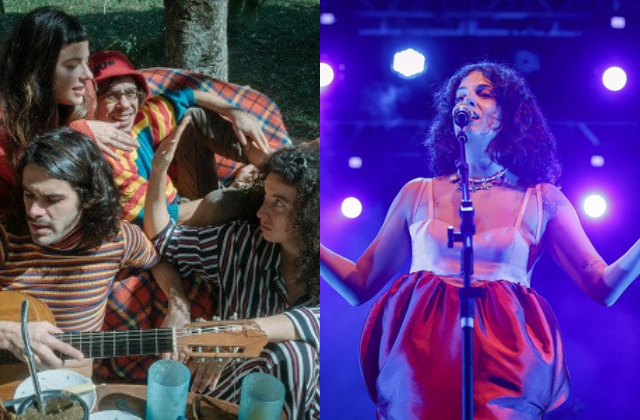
[410,352]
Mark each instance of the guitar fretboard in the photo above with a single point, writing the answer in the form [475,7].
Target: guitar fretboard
[107,344]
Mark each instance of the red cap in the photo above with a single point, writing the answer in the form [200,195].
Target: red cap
[108,64]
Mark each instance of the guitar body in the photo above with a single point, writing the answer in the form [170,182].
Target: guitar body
[10,310]
[11,307]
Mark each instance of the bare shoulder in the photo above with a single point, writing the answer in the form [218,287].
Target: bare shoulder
[405,200]
[553,199]
[412,188]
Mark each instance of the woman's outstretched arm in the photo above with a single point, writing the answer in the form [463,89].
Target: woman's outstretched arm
[360,281]
[570,247]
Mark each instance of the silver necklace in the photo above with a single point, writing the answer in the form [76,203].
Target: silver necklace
[476,184]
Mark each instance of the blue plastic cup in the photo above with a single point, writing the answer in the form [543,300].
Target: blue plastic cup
[261,397]
[167,390]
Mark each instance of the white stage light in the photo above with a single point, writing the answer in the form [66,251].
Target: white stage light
[351,207]
[326,75]
[614,78]
[355,162]
[594,206]
[409,63]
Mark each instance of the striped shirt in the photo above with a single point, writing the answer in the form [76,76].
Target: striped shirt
[74,283]
[246,269]
[155,120]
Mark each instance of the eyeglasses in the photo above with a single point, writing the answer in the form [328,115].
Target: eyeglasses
[131,95]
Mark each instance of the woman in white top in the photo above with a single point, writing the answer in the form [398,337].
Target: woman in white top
[410,347]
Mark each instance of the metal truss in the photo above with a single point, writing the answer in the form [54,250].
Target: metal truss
[356,133]
[476,18]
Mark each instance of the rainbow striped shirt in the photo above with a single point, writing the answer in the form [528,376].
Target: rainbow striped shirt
[155,120]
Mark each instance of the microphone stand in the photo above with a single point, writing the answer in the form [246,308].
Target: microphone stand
[467,293]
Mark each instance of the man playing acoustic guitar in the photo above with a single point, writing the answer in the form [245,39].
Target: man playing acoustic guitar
[69,245]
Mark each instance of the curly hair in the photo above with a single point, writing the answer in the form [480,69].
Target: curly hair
[299,167]
[27,66]
[524,143]
[70,156]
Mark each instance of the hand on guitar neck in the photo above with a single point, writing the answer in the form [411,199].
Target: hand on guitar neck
[43,342]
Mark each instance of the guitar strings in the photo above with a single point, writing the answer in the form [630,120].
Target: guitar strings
[139,342]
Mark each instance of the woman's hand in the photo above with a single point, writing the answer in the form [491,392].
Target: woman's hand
[250,135]
[108,138]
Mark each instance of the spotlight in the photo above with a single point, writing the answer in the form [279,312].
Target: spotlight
[618,22]
[327,18]
[594,206]
[614,78]
[409,63]
[351,207]
[597,161]
[326,75]
[355,162]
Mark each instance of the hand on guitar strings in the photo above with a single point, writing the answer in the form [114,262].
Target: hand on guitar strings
[178,315]
[43,343]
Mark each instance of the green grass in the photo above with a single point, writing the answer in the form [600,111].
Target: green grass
[277,54]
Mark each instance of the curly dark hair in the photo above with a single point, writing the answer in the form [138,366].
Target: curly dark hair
[299,167]
[70,156]
[524,143]
[27,66]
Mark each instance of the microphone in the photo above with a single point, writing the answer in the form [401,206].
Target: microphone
[462,114]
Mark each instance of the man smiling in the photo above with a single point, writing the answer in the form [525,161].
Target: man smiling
[218,128]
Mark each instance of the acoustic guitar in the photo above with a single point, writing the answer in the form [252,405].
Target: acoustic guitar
[226,339]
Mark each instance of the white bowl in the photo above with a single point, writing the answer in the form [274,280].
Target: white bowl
[113,415]
[57,379]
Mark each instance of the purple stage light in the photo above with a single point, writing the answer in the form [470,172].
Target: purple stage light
[351,207]
[409,63]
[326,75]
[594,206]
[618,22]
[355,162]
[327,18]
[614,78]
[597,161]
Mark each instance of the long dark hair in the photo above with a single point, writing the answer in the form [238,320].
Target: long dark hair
[27,67]
[524,143]
[299,167]
[70,156]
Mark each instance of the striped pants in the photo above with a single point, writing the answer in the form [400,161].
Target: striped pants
[295,363]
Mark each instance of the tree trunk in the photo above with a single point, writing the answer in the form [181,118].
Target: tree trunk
[196,36]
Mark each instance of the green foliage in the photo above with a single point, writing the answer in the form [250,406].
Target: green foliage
[80,7]
[244,9]
[276,50]
[280,54]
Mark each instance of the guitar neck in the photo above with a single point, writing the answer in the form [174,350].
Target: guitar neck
[206,339]
[107,344]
